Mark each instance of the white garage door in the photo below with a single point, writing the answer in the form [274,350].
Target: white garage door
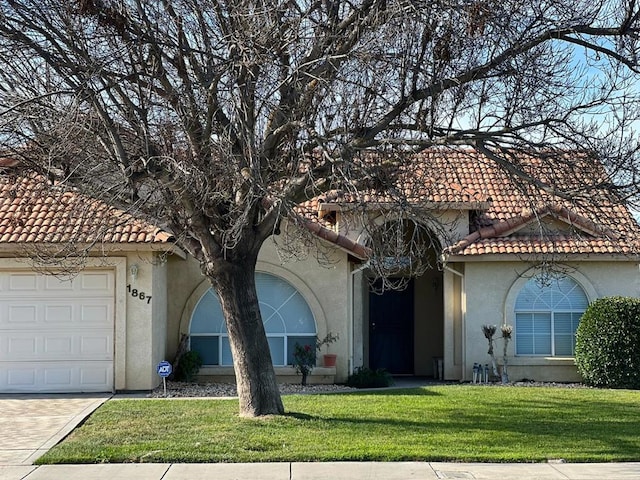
[56,335]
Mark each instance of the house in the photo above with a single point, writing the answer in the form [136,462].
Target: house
[510,253]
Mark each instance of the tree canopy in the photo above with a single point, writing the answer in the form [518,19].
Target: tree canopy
[215,120]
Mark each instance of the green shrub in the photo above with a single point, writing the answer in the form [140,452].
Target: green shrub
[608,343]
[188,366]
[364,377]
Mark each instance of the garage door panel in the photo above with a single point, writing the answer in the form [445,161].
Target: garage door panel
[97,281]
[56,335]
[57,346]
[51,283]
[48,313]
[50,346]
[18,315]
[27,282]
[59,377]
[24,346]
[94,283]
[24,377]
[93,377]
[58,314]
[96,346]
[97,313]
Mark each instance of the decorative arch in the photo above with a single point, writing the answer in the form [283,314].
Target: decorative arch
[379,221]
[545,315]
[288,315]
[401,248]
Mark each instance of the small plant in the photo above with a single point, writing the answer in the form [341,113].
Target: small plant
[304,357]
[489,331]
[506,330]
[187,369]
[364,377]
[607,351]
[327,340]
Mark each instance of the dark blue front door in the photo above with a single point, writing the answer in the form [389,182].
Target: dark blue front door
[391,331]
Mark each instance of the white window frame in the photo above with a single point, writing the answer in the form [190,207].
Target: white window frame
[279,362]
[552,312]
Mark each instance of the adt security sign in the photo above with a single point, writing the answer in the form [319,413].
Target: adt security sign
[164,369]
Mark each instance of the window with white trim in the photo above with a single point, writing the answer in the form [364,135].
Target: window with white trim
[547,316]
[286,316]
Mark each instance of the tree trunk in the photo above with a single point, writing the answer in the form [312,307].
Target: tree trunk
[255,377]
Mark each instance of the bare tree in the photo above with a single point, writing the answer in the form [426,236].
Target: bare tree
[215,120]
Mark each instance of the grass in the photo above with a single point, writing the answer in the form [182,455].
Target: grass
[442,423]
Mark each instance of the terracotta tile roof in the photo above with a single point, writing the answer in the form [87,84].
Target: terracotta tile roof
[32,213]
[426,181]
[535,245]
[594,221]
[506,212]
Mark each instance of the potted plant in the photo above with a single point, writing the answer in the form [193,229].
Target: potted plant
[328,359]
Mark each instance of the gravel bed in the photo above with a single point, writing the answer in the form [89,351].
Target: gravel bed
[527,383]
[185,389]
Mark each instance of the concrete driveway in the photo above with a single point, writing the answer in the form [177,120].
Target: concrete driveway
[32,424]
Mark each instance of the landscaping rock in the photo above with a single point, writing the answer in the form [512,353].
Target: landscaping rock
[222,390]
[185,389]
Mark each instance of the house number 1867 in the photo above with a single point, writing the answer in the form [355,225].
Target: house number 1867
[135,293]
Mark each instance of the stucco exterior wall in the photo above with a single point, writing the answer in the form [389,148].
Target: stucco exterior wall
[159,313]
[145,319]
[491,289]
[454,311]
[429,327]
[325,288]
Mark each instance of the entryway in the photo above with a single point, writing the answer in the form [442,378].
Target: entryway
[406,327]
[391,328]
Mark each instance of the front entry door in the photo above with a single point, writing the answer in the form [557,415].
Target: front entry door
[391,331]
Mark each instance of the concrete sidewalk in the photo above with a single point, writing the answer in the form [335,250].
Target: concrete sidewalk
[327,471]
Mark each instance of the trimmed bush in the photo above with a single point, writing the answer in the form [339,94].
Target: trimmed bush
[608,343]
[188,366]
[364,377]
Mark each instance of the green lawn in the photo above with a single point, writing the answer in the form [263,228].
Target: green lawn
[451,423]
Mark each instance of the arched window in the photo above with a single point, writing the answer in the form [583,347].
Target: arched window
[547,316]
[286,317]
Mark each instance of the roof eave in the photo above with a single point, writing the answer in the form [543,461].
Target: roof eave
[20,249]
[346,206]
[341,241]
[531,257]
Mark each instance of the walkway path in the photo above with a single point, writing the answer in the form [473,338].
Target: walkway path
[32,424]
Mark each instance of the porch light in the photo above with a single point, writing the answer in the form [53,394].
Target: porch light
[133,270]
